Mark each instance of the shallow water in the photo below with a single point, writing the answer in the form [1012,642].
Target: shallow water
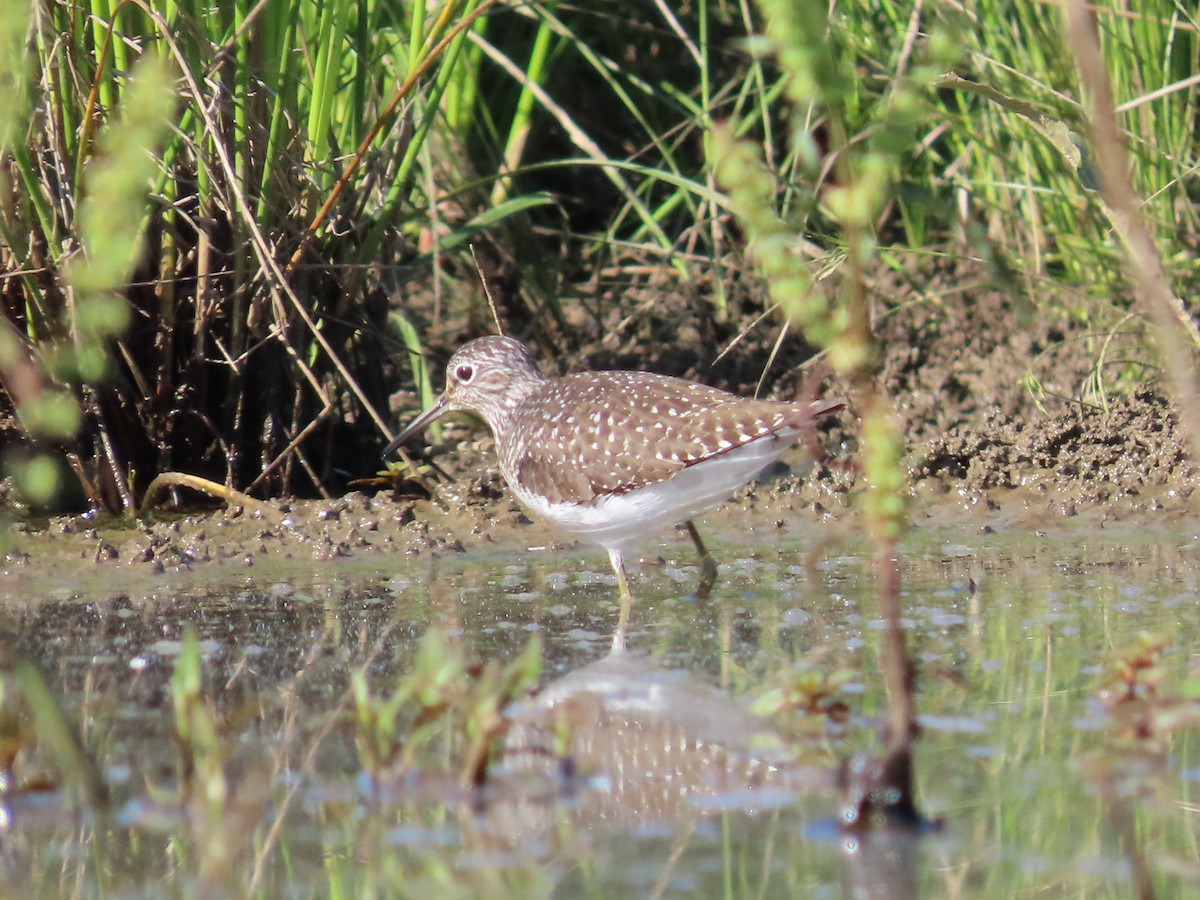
[638,775]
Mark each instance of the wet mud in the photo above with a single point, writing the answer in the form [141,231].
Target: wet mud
[988,449]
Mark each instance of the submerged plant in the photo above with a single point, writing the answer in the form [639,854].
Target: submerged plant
[442,703]
[1133,698]
[221,812]
[814,696]
[35,730]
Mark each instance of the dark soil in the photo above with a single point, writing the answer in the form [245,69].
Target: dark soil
[979,431]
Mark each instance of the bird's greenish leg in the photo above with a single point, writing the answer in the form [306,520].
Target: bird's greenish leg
[708,565]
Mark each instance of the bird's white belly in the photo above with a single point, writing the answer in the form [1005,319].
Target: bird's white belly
[617,519]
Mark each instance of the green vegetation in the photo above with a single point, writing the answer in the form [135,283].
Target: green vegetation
[442,697]
[311,209]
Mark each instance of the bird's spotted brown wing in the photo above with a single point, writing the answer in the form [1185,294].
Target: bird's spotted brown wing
[597,433]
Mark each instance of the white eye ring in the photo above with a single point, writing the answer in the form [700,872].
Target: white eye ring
[464,373]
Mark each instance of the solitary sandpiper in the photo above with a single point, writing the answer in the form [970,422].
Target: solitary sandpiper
[614,456]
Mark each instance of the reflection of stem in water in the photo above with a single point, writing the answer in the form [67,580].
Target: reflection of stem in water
[1118,812]
[1047,682]
[682,840]
[881,864]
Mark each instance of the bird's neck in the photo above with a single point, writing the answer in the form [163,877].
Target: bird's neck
[500,415]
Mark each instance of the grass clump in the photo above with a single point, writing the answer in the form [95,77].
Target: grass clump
[442,707]
[240,326]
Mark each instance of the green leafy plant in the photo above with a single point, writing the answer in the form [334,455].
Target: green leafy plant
[442,697]
[298,157]
[220,812]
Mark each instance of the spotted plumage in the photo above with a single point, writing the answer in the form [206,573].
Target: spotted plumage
[614,456]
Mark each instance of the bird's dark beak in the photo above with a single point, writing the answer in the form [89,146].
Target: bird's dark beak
[417,425]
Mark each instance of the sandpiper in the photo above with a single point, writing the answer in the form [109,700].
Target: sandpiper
[614,456]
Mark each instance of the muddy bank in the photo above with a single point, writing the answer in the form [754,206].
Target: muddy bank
[985,451]
[986,387]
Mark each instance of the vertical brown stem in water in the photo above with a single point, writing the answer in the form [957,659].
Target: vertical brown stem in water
[884,515]
[882,463]
[898,670]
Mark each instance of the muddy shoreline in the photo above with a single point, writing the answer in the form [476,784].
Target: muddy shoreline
[987,452]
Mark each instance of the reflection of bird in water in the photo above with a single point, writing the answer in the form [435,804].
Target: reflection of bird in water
[646,745]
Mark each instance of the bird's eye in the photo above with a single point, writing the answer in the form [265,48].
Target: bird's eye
[464,374]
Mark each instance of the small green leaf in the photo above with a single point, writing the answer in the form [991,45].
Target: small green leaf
[54,414]
[37,479]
